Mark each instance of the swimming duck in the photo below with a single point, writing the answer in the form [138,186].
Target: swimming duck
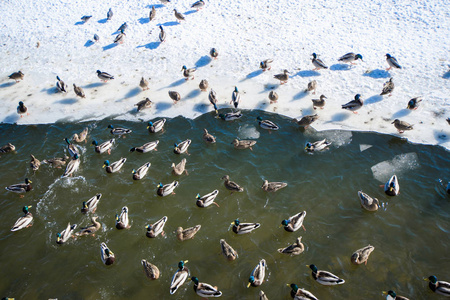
[150,270]
[167,189]
[147,147]
[392,188]
[103,147]
[34,163]
[301,294]
[143,104]
[228,251]
[122,221]
[391,295]
[448,188]
[361,255]
[156,126]
[198,5]
[312,86]
[178,15]
[317,146]
[294,249]
[20,187]
[78,91]
[402,125]
[231,185]
[180,168]
[306,120]
[413,104]
[367,202]
[123,27]
[273,97]
[22,109]
[91,204]
[119,131]
[72,166]
[388,87]
[392,61]
[235,97]
[439,287]
[283,77]
[96,38]
[153,230]
[188,73]
[203,86]
[105,76]
[108,257]
[265,64]
[7,148]
[325,277]
[243,144]
[318,63]
[152,13]
[175,96]
[85,18]
[162,34]
[91,229]
[72,148]
[144,84]
[182,147]
[354,105]
[115,166]
[24,221]
[272,186]
[257,276]
[179,277]
[231,116]
[242,228]
[17,76]
[319,102]
[262,296]
[295,222]
[350,58]
[119,39]
[80,137]
[187,233]
[267,124]
[207,137]
[141,172]
[63,236]
[205,290]
[56,162]
[207,200]
[61,86]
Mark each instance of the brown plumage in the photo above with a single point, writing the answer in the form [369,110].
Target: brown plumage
[361,255]
[187,233]
[228,251]
[306,120]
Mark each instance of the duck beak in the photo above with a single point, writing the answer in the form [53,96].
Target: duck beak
[385,293]
[104,166]
[248,285]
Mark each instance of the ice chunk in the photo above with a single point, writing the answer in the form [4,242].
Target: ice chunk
[248,132]
[364,147]
[336,137]
[398,165]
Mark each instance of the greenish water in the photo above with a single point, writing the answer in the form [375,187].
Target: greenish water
[410,232]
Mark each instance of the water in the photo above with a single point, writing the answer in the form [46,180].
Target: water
[410,232]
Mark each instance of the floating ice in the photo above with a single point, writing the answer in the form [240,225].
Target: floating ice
[336,137]
[364,147]
[248,132]
[398,165]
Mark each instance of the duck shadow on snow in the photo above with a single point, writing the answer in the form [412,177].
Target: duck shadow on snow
[340,67]
[151,46]
[131,93]
[378,73]
[300,95]
[339,117]
[110,46]
[193,94]
[171,23]
[50,91]
[190,12]
[94,85]
[203,61]
[155,5]
[68,101]
[373,99]
[307,73]
[269,87]
[263,104]
[160,106]
[440,136]
[103,21]
[144,20]
[201,107]
[79,23]
[252,75]
[174,84]
[6,84]
[12,118]
[446,75]
[401,113]
[89,43]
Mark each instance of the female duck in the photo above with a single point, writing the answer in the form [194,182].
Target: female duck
[187,233]
[295,222]
[91,229]
[146,147]
[179,277]
[392,188]
[205,290]
[24,221]
[273,186]
[361,255]
[294,249]
[20,187]
[122,221]
[153,230]
[119,131]
[325,277]
[231,185]
[266,124]
[228,251]
[63,236]
[115,166]
[207,137]
[141,172]
[243,144]
[167,189]
[242,228]
[283,77]
[180,168]
[103,147]
[156,126]
[367,202]
[207,200]
[91,204]
[107,255]
[72,166]
[257,275]
[151,271]
[81,137]
[182,147]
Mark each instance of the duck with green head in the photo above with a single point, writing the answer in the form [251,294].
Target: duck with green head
[72,166]
[439,287]
[295,222]
[300,294]
[103,147]
[115,166]
[20,187]
[242,228]
[267,124]
[24,221]
[325,277]
[205,290]
[153,230]
[63,236]
[179,277]
[391,295]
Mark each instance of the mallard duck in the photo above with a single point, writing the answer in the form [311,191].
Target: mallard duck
[413,104]
[231,116]
[25,221]
[367,202]
[162,34]
[312,86]
[182,147]
[231,185]
[207,200]
[243,144]
[188,233]
[79,91]
[109,15]
[72,148]
[103,147]
[175,96]
[203,85]
[63,236]
[283,77]
[34,163]
[153,230]
[180,168]
[262,296]
[108,257]
[179,277]
[448,188]
[361,255]
[96,38]
[152,14]
[265,64]
[242,228]
[85,18]
[448,121]
[61,86]
[267,124]
[402,125]
[319,102]
[325,277]
[91,204]
[147,147]
[118,130]
[295,222]
[207,137]
[318,63]
[7,148]
[78,138]
[317,146]
[306,120]
[350,58]
[106,76]
[20,187]
[257,276]
[439,287]
[150,270]
[235,97]
[294,249]
[119,39]
[188,73]
[391,295]
[199,5]
[228,251]
[143,104]
[392,61]
[272,186]
[72,166]
[17,76]
[178,15]
[354,105]
[122,221]
[301,294]
[115,166]
[392,188]
[143,84]
[165,1]
[156,126]
[205,290]
[22,109]
[167,189]
[388,87]
[141,172]
[91,229]
[56,162]
[273,97]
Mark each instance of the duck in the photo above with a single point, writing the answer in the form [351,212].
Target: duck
[118,130]
[123,27]
[207,200]
[413,104]
[188,73]
[228,251]
[388,87]
[20,187]
[273,186]
[153,230]
[354,105]
[81,137]
[143,104]
[306,120]
[283,77]
[391,295]
[262,295]
[122,221]
[156,126]
[85,18]
[325,277]
[72,148]
[96,38]
[179,16]
[312,86]
[392,188]
[7,148]
[115,166]
[152,14]
[242,228]
[91,229]
[179,277]
[56,162]
[392,62]
[188,233]
[317,146]
[109,14]
[91,204]
[318,63]
[350,58]
[72,166]
[147,147]
[165,1]
[150,270]
[17,76]
[267,124]
[243,144]
[257,276]
[439,287]
[175,96]
[402,126]
[273,97]
[266,64]
[180,168]
[294,249]
[448,188]
[235,97]
[367,202]
[203,85]
[207,137]
[361,255]
[162,34]
[213,52]
[61,86]
[22,109]
[79,91]
[182,147]
[319,102]
[301,294]
[144,84]
[106,76]
[205,290]
[231,185]
[103,147]
[198,5]
[63,236]
[25,221]
[141,172]
[34,163]
[295,222]
[231,116]
[108,257]
[167,189]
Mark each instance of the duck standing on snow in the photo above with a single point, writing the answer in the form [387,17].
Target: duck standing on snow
[143,104]
[295,222]
[354,105]
[235,97]
[317,146]
[267,124]
[213,52]
[188,73]
[103,147]
[243,144]
[350,58]
[22,109]
[312,86]
[156,126]
[108,257]
[141,172]
[152,14]
[319,102]
[72,166]
[143,84]
[231,116]
[388,87]
[63,236]
[91,204]
[439,287]
[273,97]
[325,277]
[104,76]
[402,125]
[20,187]
[146,147]
[283,77]
[231,185]
[273,186]
[151,271]
[294,249]
[61,86]
[257,276]
[266,64]
[109,15]
[166,189]
[392,188]
[119,39]
[162,34]
[188,233]
[118,130]
[79,91]
[392,61]
[318,63]
[198,5]
[175,96]
[228,251]
[85,18]
[203,85]
[153,230]
[207,137]
[122,221]
[306,120]
[242,228]
[413,104]
[17,76]
[207,200]
[179,277]
[391,295]
[96,38]
[205,290]
[367,202]
[361,255]
[24,221]
[182,147]
[179,16]
[301,294]
[123,27]
[180,168]
[115,166]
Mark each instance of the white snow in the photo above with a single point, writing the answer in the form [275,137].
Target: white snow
[244,33]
